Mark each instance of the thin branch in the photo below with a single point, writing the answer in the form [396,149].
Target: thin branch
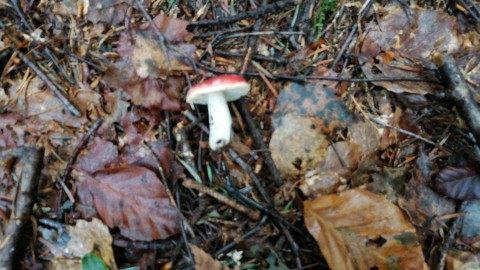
[79,147]
[406,132]
[161,37]
[58,93]
[461,94]
[258,138]
[270,8]
[253,215]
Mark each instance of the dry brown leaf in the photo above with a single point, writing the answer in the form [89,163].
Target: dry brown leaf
[360,230]
[330,176]
[203,260]
[132,199]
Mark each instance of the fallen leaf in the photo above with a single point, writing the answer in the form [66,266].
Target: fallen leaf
[360,230]
[203,260]
[331,174]
[458,183]
[98,155]
[143,71]
[132,199]
[77,242]
[402,46]
[10,133]
[110,11]
[424,206]
[156,156]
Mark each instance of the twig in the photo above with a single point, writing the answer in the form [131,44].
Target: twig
[189,183]
[461,94]
[26,24]
[274,7]
[293,243]
[79,147]
[278,60]
[353,32]
[449,238]
[406,132]
[73,158]
[472,10]
[258,138]
[58,93]
[271,212]
[20,229]
[252,175]
[301,78]
[246,235]
[161,37]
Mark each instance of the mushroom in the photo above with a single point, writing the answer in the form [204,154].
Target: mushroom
[215,93]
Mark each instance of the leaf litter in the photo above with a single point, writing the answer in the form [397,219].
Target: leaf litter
[370,193]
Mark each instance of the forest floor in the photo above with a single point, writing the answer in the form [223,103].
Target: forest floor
[355,147]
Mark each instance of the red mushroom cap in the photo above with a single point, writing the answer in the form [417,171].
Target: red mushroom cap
[232,86]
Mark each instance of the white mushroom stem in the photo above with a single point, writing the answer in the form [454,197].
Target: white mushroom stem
[220,121]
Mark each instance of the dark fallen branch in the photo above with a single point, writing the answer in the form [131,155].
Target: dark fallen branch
[258,57]
[58,93]
[79,147]
[20,230]
[258,138]
[460,93]
[302,78]
[270,8]
[73,158]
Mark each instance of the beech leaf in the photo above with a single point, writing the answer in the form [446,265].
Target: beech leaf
[360,230]
[132,199]
[459,183]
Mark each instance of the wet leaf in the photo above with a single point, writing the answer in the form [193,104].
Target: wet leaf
[155,156]
[388,50]
[143,71]
[424,206]
[132,199]
[360,230]
[458,183]
[98,155]
[110,11]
